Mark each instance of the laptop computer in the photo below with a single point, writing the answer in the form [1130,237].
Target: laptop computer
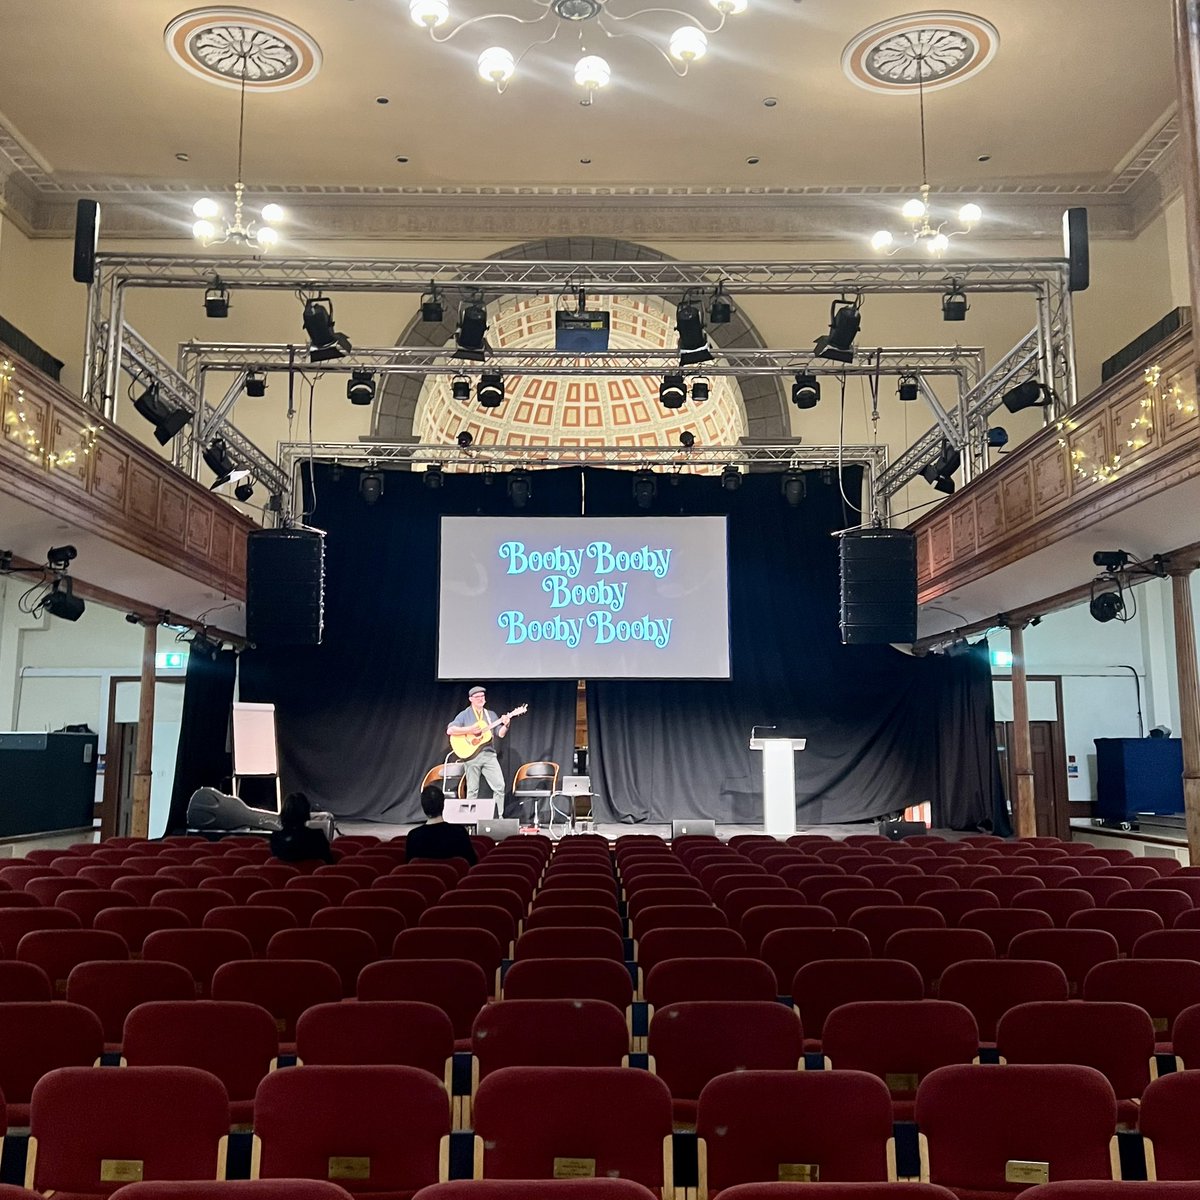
[468,812]
[499,828]
[575,785]
[693,828]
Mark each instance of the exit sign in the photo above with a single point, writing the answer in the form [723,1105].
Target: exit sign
[170,660]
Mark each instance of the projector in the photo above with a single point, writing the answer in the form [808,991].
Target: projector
[581,332]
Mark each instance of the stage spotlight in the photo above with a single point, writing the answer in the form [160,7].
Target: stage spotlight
[519,489]
[1030,394]
[845,320]
[693,341]
[938,474]
[243,491]
[432,476]
[370,487]
[700,389]
[907,389]
[361,388]
[471,331]
[1107,603]
[687,439]
[167,421]
[954,303]
[997,436]
[58,557]
[256,385]
[490,392]
[645,488]
[62,602]
[216,456]
[793,487]
[806,391]
[1111,560]
[731,478]
[672,392]
[216,301]
[464,439]
[325,343]
[720,310]
[432,310]
[460,388]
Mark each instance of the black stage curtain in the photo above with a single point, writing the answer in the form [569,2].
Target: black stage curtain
[884,729]
[362,717]
[203,756]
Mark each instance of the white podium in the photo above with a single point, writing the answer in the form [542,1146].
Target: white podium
[779,778]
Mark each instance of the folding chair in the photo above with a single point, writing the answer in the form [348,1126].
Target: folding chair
[755,1126]
[112,990]
[458,987]
[1077,951]
[1116,1039]
[339,1123]
[679,979]
[404,1033]
[346,950]
[551,1122]
[819,987]
[57,951]
[1164,987]
[692,1042]
[931,951]
[37,1038]
[989,988]
[199,951]
[233,1040]
[1169,1111]
[985,1129]
[91,1131]
[284,988]
[900,1042]
[879,923]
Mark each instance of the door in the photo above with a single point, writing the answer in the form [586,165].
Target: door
[1049,774]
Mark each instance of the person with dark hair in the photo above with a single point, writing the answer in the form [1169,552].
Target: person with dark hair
[436,838]
[294,841]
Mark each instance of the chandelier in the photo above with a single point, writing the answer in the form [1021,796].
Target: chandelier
[925,227]
[580,18]
[212,227]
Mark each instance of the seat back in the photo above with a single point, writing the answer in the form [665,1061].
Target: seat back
[346,950]
[571,943]
[455,986]
[1167,1121]
[23,982]
[285,988]
[661,944]
[112,990]
[1125,924]
[677,916]
[256,923]
[1004,924]
[36,1038]
[1077,951]
[819,987]
[58,951]
[878,923]
[785,951]
[549,1033]
[475,945]
[199,951]
[1164,987]
[406,1033]
[990,988]
[679,979]
[136,924]
[569,979]
[931,951]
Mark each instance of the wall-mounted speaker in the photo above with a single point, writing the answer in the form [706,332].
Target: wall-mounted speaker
[87,239]
[879,586]
[1075,249]
[285,587]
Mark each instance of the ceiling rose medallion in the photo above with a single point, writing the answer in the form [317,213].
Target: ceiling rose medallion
[935,49]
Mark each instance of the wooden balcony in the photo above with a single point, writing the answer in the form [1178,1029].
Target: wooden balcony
[1125,446]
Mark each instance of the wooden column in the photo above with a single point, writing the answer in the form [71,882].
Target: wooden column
[1021,750]
[1189,705]
[139,824]
[1187,70]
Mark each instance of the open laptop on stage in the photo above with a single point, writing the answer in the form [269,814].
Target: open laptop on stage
[575,785]
[468,812]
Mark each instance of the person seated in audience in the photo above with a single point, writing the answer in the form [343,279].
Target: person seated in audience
[436,838]
[294,841]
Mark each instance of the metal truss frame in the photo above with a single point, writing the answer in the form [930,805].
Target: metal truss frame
[405,455]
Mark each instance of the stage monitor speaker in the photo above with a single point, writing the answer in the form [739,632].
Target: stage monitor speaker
[87,239]
[209,809]
[902,829]
[285,587]
[879,586]
[693,829]
[1075,249]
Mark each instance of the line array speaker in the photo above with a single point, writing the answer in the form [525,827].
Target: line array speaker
[87,239]
[285,587]
[1075,249]
[879,586]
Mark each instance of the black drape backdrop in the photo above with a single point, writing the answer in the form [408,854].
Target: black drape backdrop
[362,717]
[202,759]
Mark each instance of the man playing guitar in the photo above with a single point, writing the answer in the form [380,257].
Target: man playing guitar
[477,723]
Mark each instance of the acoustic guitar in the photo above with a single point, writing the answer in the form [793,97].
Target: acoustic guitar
[467,745]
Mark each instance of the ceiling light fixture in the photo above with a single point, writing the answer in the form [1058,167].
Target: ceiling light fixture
[720,309]
[918,210]
[361,387]
[211,227]
[464,439]
[325,343]
[645,488]
[256,385]
[370,488]
[908,389]
[490,392]
[701,389]
[687,439]
[519,488]
[1030,394]
[806,391]
[460,388]
[432,310]
[469,337]
[672,392]
[731,478]
[693,341]
[938,474]
[793,487]
[954,302]
[498,65]
[845,320]
[167,421]
[216,300]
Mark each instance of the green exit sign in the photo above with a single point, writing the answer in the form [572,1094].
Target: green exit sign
[170,660]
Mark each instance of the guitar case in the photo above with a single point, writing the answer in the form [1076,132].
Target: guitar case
[210,811]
